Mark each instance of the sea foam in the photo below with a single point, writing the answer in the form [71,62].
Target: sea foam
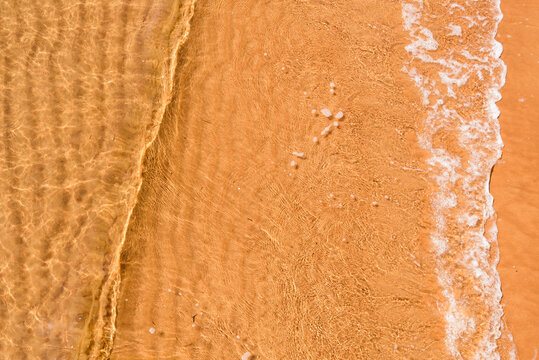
[454,62]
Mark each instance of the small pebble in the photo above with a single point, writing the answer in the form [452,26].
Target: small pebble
[292,163]
[332,90]
[283,68]
[193,325]
[305,93]
[169,290]
[332,85]
[352,196]
[237,337]
[298,154]
[339,115]
[374,203]
[246,356]
[265,54]
[152,331]
[344,239]
[336,123]
[331,195]
[313,111]
[326,112]
[326,130]
[196,304]
[315,139]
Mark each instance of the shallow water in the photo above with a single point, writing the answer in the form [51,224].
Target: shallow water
[157,207]
[82,89]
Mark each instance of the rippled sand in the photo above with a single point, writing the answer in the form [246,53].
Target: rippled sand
[149,208]
[83,89]
[248,245]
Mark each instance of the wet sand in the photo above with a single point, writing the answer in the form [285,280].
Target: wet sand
[230,248]
[515,178]
[151,208]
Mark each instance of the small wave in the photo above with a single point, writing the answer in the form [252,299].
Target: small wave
[105,329]
[455,64]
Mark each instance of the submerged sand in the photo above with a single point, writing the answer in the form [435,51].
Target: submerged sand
[83,88]
[149,207]
[230,248]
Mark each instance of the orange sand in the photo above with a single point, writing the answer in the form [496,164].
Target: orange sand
[515,178]
[230,238]
[225,235]
[82,86]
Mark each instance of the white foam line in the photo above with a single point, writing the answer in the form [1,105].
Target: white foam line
[462,184]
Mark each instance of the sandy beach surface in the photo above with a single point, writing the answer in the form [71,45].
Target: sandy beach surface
[215,179]
[515,177]
[237,244]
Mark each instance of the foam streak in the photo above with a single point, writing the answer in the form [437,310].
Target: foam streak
[459,75]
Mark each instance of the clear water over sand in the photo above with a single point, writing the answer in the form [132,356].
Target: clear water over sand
[162,195]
